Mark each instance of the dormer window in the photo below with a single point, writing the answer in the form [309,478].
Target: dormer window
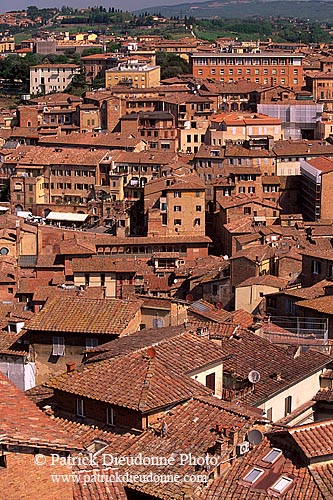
[282,484]
[253,475]
[272,456]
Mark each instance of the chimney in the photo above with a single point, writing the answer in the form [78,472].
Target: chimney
[233,437]
[218,447]
[70,367]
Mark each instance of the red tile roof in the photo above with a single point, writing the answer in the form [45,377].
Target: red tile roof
[143,383]
[265,280]
[249,350]
[315,439]
[191,428]
[320,304]
[85,486]
[81,315]
[24,424]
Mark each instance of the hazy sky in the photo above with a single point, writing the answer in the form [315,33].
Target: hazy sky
[7,5]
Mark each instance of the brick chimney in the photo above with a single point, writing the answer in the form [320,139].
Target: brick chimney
[70,366]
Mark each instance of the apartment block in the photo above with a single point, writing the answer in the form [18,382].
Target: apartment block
[96,65]
[242,126]
[266,68]
[176,205]
[46,78]
[133,73]
[316,188]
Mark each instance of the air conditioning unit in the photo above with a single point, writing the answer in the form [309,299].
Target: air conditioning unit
[243,448]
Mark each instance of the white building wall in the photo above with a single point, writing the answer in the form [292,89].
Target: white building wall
[301,393]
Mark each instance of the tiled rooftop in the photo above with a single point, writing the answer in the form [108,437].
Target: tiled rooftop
[81,315]
[315,440]
[249,348]
[24,424]
[136,381]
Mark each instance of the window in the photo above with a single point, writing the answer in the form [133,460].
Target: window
[4,251]
[241,189]
[86,279]
[80,407]
[91,343]
[251,190]
[58,346]
[269,414]
[177,222]
[198,208]
[110,420]
[273,455]
[197,194]
[177,194]
[291,308]
[102,279]
[158,322]
[287,405]
[177,208]
[315,267]
[210,381]
[196,222]
[247,210]
[253,475]
[282,484]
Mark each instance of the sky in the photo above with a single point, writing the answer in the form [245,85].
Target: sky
[7,5]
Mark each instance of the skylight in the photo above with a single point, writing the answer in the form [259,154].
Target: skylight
[273,455]
[282,484]
[253,475]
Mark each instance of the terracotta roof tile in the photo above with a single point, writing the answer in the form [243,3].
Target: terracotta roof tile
[269,360]
[191,428]
[87,488]
[24,424]
[314,439]
[143,383]
[265,280]
[320,304]
[81,315]
[231,485]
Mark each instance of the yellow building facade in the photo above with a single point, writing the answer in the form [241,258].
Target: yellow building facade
[133,73]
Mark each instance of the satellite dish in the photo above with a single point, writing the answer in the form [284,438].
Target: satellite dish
[254,436]
[189,297]
[254,377]
[225,257]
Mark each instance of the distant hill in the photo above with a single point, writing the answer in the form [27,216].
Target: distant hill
[312,10]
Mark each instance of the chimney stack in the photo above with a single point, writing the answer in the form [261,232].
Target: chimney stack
[70,367]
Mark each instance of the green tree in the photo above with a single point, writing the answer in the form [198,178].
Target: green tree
[171,65]
[78,85]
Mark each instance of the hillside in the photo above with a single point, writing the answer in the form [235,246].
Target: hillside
[312,10]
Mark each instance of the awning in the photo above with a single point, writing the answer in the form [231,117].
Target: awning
[63,216]
[24,214]
[4,209]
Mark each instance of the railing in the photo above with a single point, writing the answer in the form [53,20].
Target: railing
[309,331]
